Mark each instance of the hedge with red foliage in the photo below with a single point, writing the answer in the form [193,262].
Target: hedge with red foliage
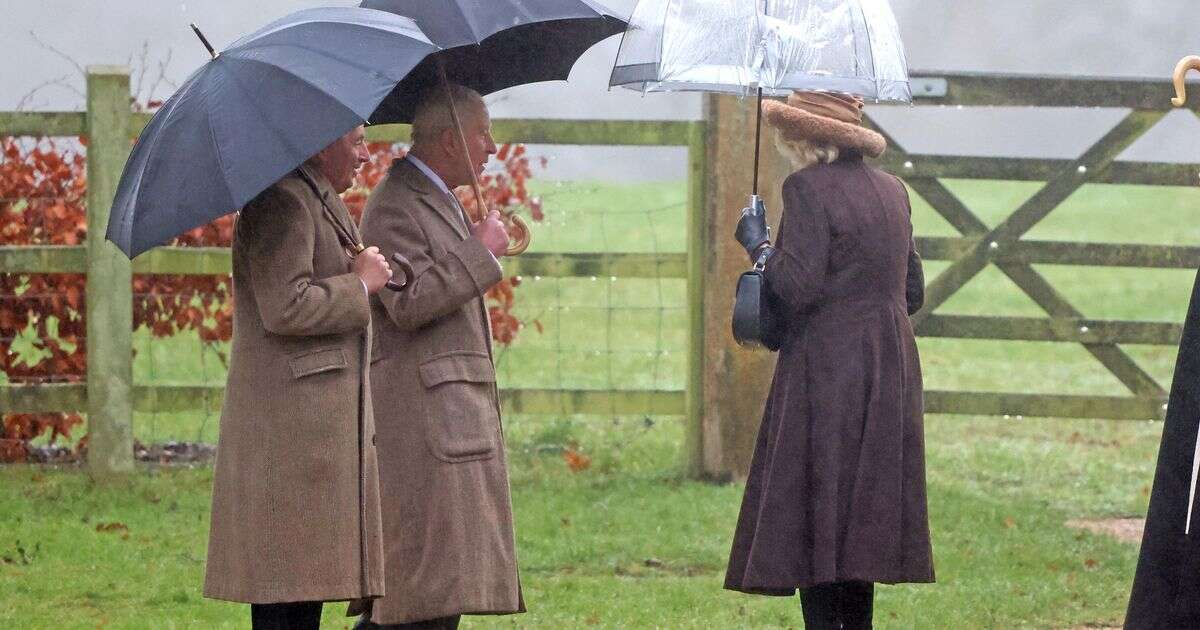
[43,194]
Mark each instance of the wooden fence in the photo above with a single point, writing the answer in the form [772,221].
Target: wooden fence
[1004,245]
[109,397]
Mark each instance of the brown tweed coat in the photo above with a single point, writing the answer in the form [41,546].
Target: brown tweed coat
[447,516]
[295,508]
[836,489]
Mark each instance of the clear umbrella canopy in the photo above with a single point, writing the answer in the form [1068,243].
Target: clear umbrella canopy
[738,46]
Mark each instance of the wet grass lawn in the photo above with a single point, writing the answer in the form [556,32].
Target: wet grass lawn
[626,542]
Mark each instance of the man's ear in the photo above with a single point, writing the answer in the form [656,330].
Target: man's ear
[448,142]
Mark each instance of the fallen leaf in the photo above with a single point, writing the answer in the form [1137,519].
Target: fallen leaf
[576,461]
[112,527]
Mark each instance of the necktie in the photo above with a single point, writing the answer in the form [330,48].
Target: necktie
[461,210]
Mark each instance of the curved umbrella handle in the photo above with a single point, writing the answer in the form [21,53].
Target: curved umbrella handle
[406,268]
[521,242]
[1181,70]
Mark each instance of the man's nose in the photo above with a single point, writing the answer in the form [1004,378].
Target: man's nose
[363,155]
[491,145]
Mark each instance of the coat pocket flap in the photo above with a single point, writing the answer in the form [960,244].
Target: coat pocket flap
[317,361]
[471,367]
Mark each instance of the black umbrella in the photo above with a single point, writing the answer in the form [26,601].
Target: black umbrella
[490,45]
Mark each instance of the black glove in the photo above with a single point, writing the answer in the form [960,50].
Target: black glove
[752,231]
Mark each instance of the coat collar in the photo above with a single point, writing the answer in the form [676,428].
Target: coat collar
[329,198]
[323,186]
[431,195]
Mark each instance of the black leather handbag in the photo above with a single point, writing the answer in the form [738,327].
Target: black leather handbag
[755,323]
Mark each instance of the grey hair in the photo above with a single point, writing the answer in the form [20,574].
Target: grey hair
[432,114]
[804,153]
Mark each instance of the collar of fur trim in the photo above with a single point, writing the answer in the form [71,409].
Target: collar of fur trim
[794,123]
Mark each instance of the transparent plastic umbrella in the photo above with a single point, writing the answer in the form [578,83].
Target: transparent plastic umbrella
[764,46]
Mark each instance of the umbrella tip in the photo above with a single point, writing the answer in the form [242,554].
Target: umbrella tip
[203,40]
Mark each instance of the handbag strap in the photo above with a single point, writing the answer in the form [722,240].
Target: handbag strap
[763,255]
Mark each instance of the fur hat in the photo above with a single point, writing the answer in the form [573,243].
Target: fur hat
[824,118]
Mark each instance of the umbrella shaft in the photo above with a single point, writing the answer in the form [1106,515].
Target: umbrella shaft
[757,138]
[480,207]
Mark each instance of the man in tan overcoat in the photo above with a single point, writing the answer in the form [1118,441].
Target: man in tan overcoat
[447,516]
[295,512]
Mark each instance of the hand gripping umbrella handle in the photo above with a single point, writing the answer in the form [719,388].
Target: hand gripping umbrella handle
[1181,70]
[353,247]
[405,267]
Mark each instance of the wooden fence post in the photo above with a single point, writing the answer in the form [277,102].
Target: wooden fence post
[735,379]
[693,448]
[109,280]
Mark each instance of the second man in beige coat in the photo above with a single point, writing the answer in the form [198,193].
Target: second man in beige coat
[447,516]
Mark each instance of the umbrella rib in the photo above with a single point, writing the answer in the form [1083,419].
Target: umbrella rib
[217,154]
[662,42]
[467,21]
[346,60]
[871,50]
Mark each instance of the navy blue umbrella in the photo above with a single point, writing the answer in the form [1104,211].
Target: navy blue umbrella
[255,112]
[491,45]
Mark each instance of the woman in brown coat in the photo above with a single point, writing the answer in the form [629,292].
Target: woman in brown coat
[835,500]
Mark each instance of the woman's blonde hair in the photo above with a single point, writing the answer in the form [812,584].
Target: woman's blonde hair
[803,153]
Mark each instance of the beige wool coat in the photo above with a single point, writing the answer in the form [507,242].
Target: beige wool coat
[447,515]
[295,508]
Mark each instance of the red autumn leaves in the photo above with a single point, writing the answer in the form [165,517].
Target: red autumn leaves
[43,195]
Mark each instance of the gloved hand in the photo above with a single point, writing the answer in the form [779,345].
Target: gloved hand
[752,231]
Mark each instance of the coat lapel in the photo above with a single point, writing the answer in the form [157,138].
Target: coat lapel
[432,196]
[341,214]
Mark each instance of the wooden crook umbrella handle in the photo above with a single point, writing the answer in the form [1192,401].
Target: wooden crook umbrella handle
[520,227]
[1181,70]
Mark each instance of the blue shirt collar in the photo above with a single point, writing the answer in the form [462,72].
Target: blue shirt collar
[424,168]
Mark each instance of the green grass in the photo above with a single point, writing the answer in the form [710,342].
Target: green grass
[626,543]
[1000,490]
